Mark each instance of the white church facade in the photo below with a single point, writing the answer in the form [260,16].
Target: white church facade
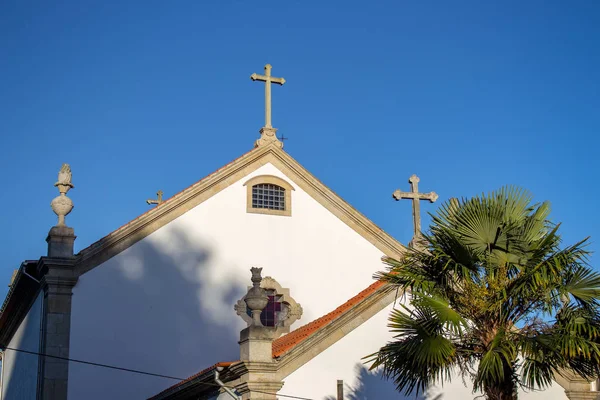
[158,295]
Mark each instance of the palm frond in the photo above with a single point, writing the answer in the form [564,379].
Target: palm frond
[491,271]
[583,285]
[421,355]
[541,360]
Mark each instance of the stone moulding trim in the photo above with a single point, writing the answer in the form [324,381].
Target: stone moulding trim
[274,180]
[336,205]
[139,228]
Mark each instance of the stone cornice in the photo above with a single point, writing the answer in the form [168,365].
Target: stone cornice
[56,275]
[19,300]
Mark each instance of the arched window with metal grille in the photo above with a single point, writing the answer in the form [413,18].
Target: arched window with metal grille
[268,194]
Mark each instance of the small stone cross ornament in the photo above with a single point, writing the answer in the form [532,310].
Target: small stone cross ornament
[415,196]
[158,200]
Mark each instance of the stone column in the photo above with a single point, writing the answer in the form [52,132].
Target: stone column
[256,344]
[258,369]
[57,283]
[58,276]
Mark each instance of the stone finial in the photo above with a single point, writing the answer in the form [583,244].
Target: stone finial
[283,309]
[256,300]
[61,237]
[62,205]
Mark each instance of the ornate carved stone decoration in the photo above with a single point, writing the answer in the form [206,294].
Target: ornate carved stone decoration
[62,205]
[267,136]
[282,310]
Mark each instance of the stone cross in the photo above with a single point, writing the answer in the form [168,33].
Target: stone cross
[415,196]
[282,138]
[159,199]
[268,79]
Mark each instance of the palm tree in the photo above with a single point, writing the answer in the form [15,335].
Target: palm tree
[493,295]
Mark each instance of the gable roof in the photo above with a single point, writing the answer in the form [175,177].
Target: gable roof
[20,297]
[289,342]
[142,226]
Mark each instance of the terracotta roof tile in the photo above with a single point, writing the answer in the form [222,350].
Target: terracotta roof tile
[297,336]
[204,371]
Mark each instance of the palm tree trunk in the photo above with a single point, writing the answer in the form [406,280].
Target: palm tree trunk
[503,390]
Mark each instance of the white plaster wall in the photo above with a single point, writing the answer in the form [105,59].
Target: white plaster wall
[165,305]
[317,379]
[20,370]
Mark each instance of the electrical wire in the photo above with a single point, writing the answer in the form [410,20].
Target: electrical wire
[96,364]
[135,371]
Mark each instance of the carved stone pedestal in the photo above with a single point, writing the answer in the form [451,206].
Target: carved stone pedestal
[256,380]
[60,241]
[575,395]
[256,344]
[576,387]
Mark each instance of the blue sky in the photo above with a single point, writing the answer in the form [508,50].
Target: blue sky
[145,95]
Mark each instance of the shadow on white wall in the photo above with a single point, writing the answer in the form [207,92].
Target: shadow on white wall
[151,308]
[373,386]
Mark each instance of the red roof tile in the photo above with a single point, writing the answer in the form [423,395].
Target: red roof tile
[297,336]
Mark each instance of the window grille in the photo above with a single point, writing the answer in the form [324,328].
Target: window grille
[269,196]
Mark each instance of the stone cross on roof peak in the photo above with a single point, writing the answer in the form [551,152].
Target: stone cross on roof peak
[415,196]
[267,133]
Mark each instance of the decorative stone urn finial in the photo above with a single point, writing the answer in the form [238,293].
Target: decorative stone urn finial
[256,299]
[283,310]
[62,205]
